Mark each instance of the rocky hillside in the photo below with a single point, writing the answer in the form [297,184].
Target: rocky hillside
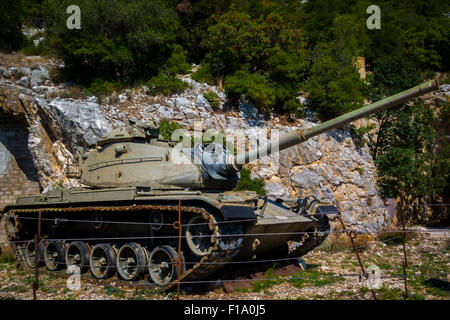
[329,166]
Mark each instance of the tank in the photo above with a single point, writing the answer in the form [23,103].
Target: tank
[126,221]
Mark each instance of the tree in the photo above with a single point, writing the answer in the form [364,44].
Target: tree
[333,89]
[405,159]
[11,15]
[118,39]
[237,40]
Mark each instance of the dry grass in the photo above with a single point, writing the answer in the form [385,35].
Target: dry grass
[72,92]
[16,59]
[339,241]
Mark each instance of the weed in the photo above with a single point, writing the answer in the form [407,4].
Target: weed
[241,290]
[270,281]
[168,127]
[385,293]
[110,290]
[313,278]
[339,241]
[7,258]
[246,182]
[70,296]
[146,293]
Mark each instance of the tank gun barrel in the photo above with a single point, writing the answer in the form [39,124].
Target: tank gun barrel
[298,136]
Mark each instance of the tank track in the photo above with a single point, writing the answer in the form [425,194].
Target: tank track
[226,239]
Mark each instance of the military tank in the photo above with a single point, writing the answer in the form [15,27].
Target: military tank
[144,216]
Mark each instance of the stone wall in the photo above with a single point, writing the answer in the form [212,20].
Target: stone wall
[17,173]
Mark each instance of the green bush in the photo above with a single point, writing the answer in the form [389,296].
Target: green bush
[11,16]
[212,98]
[126,40]
[247,183]
[358,134]
[166,128]
[166,85]
[392,74]
[177,63]
[102,87]
[334,89]
[253,86]
[7,258]
[295,107]
[203,74]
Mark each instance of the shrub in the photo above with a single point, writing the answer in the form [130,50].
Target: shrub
[166,128]
[253,86]
[126,40]
[7,258]
[166,85]
[102,87]
[11,15]
[247,183]
[334,89]
[212,98]
[203,74]
[295,107]
[177,63]
[358,134]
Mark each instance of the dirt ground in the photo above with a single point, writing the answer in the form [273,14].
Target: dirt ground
[329,275]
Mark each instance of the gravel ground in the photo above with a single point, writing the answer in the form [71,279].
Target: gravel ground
[326,277]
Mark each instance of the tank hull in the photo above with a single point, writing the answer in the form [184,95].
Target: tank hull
[239,230]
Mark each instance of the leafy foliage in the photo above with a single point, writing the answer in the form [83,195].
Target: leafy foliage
[118,39]
[11,15]
[165,84]
[247,183]
[253,86]
[166,128]
[334,89]
[212,98]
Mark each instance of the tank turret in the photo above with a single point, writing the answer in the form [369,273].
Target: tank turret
[137,155]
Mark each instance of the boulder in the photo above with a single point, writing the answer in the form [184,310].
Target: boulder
[80,122]
[276,190]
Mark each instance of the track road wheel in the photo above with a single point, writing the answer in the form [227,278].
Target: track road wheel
[102,261]
[54,255]
[162,265]
[77,253]
[199,236]
[131,261]
[30,254]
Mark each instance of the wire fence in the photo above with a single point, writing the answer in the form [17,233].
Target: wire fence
[439,234]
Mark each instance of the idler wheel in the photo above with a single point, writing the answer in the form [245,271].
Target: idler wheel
[30,254]
[102,261]
[77,253]
[54,255]
[162,265]
[199,236]
[131,261]
[11,224]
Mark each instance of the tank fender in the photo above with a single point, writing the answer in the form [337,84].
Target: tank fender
[330,211]
[237,212]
